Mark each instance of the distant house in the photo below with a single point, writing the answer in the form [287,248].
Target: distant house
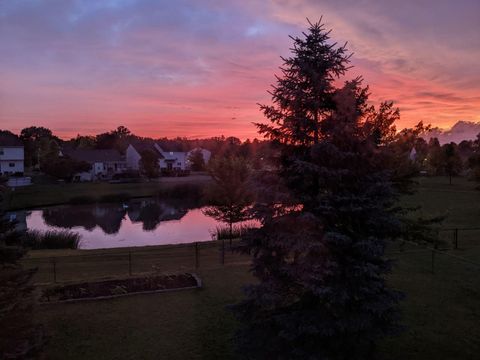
[413,155]
[168,160]
[104,163]
[172,160]
[12,157]
[134,151]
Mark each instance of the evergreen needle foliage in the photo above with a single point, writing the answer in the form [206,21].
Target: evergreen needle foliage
[326,209]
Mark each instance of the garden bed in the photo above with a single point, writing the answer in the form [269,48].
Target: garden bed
[107,289]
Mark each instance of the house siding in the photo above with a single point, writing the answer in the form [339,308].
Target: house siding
[133,158]
[11,159]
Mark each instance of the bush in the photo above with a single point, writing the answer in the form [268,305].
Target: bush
[51,239]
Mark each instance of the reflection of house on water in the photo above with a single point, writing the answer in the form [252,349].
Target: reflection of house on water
[151,212]
[109,217]
[20,219]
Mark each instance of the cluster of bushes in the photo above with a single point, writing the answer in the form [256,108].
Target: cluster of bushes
[51,239]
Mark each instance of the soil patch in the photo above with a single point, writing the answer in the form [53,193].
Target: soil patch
[119,287]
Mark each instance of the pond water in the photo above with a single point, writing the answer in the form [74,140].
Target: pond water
[135,223]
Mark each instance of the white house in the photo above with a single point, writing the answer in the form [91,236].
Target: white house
[134,151]
[11,159]
[172,160]
[168,160]
[104,163]
[413,155]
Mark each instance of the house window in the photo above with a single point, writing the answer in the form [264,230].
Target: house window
[11,164]
[2,152]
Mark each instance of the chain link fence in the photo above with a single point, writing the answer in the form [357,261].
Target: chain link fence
[98,264]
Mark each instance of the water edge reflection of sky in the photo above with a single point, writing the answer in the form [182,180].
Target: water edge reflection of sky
[110,226]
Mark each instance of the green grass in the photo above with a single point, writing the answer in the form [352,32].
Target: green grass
[55,194]
[441,310]
[459,202]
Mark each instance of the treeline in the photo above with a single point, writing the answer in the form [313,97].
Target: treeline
[450,159]
[42,145]
[42,148]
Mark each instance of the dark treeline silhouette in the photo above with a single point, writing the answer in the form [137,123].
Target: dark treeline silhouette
[42,148]
[41,144]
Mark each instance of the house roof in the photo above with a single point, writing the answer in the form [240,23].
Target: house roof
[95,155]
[140,147]
[174,155]
[7,140]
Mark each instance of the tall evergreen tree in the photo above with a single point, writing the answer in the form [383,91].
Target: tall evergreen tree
[326,212]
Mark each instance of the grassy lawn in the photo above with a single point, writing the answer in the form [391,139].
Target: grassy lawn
[441,310]
[54,194]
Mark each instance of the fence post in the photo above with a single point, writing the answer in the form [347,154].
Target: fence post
[433,261]
[197,262]
[130,263]
[54,264]
[223,252]
[456,238]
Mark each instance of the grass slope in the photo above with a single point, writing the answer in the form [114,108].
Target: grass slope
[441,310]
[53,194]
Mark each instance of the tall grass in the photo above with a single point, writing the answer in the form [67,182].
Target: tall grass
[223,231]
[51,239]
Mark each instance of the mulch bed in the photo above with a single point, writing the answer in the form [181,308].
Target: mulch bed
[120,287]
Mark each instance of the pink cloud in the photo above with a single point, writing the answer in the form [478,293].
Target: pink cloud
[200,68]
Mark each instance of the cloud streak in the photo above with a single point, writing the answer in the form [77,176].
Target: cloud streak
[198,68]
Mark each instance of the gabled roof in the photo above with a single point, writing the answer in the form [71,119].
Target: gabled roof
[94,155]
[7,140]
[140,147]
[174,155]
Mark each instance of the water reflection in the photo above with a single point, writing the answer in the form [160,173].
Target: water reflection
[136,223]
[106,216]
[109,217]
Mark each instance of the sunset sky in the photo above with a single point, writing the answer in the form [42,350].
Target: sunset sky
[198,68]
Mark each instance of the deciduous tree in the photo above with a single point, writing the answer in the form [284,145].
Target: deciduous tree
[230,195]
[149,165]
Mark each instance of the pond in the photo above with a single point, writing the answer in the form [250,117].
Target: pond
[138,222]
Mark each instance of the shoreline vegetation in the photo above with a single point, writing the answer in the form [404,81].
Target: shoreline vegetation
[36,196]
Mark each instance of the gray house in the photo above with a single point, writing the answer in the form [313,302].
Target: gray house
[168,160]
[104,163]
[11,156]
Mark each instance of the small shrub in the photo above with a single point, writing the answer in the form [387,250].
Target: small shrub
[51,239]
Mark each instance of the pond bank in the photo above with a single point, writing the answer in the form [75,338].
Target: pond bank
[57,194]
